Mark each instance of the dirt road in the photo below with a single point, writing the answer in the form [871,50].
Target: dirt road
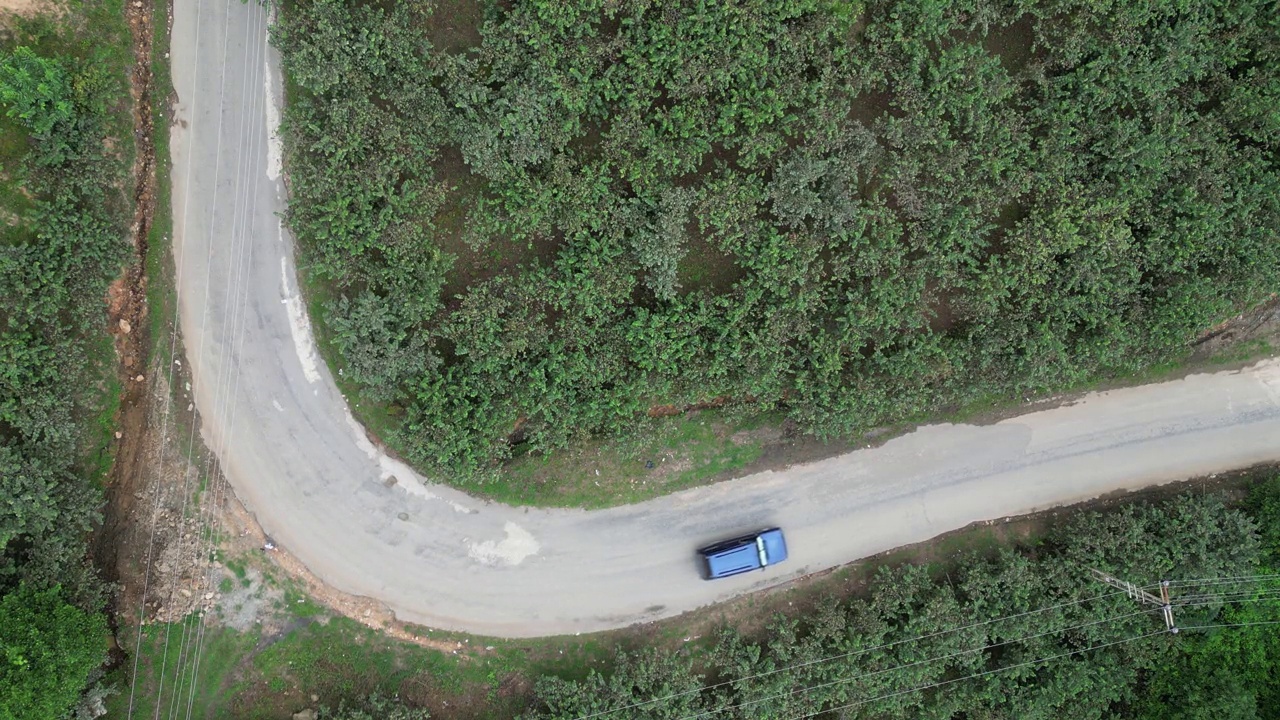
[369,526]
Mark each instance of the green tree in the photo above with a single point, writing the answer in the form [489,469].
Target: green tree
[971,633]
[899,206]
[646,686]
[28,496]
[48,648]
[37,90]
[374,707]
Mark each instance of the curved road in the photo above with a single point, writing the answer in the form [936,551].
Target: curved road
[369,526]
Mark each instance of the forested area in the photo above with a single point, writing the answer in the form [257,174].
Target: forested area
[65,146]
[1022,632]
[853,213]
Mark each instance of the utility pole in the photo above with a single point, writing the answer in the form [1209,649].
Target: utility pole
[1142,596]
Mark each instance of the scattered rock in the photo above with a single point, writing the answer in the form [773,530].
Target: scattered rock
[140,378]
[125,327]
[119,434]
[315,697]
[185,592]
[208,596]
[307,714]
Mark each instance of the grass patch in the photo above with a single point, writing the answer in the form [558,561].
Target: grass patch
[299,604]
[454,25]
[337,659]
[98,435]
[161,273]
[1245,351]
[676,454]
[169,680]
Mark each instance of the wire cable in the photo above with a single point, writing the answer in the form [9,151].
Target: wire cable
[196,362]
[166,413]
[1221,580]
[993,671]
[917,663]
[1237,602]
[852,653]
[1177,603]
[218,489]
[1231,625]
[1227,597]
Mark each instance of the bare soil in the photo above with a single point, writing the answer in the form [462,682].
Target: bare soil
[27,8]
[126,321]
[243,537]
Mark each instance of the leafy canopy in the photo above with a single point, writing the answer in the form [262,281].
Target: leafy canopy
[48,647]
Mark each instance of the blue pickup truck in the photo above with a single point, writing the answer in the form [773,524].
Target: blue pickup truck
[741,554]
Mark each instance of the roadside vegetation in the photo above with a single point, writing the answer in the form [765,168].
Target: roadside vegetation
[65,148]
[956,627]
[1018,631]
[571,218]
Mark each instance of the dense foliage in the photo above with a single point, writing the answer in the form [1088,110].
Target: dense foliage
[50,648]
[63,241]
[850,212]
[374,707]
[1229,673]
[967,643]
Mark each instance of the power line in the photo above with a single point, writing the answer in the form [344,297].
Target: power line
[855,653]
[1237,602]
[917,663]
[1024,664]
[852,653]
[226,379]
[1164,601]
[1232,625]
[236,335]
[930,686]
[168,400]
[1219,580]
[1226,597]
[208,274]
[1228,592]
